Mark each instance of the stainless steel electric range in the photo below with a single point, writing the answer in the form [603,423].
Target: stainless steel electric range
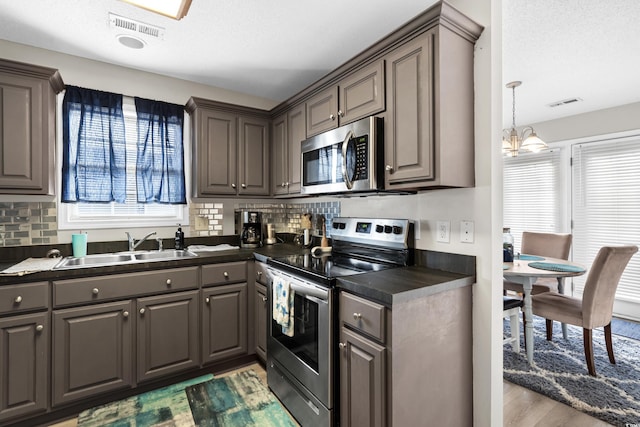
[301,358]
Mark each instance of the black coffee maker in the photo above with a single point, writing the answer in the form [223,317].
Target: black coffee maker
[249,226]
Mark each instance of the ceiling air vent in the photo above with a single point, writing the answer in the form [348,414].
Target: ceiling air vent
[565,102]
[117,22]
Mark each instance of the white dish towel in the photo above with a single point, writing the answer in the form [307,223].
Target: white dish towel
[283,297]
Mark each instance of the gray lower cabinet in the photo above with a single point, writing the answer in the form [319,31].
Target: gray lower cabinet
[92,350]
[224,322]
[27,127]
[362,361]
[24,365]
[168,334]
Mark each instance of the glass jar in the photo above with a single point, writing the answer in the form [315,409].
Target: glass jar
[507,245]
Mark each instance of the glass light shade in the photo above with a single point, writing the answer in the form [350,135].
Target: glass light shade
[533,143]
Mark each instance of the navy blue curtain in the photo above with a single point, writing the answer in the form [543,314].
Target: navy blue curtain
[160,154]
[94,147]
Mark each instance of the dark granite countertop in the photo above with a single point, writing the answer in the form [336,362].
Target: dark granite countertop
[216,257]
[402,284]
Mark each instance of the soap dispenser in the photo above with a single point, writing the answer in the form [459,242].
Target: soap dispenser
[179,238]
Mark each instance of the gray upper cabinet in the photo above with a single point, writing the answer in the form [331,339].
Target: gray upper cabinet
[429,136]
[288,132]
[358,95]
[27,127]
[230,149]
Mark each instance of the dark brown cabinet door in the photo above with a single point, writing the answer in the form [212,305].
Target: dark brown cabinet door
[362,381]
[409,140]
[322,112]
[362,93]
[168,334]
[224,317]
[260,313]
[27,127]
[253,155]
[296,133]
[279,160]
[92,351]
[215,154]
[24,364]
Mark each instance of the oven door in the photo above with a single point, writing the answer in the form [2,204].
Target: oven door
[307,355]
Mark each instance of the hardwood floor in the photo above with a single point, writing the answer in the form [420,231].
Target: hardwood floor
[525,408]
[522,408]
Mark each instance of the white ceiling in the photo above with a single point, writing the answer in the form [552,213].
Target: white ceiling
[560,49]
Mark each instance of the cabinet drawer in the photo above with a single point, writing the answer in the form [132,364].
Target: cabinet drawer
[363,315]
[27,296]
[92,289]
[262,274]
[221,274]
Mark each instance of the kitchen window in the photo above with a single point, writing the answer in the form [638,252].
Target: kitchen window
[114,203]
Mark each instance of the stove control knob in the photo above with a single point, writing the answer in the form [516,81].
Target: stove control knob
[342,225]
[379,228]
[397,229]
[336,225]
[387,229]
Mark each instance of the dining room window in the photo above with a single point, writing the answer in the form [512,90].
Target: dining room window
[533,187]
[115,176]
[606,205]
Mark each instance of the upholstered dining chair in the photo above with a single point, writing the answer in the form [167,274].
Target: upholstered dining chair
[552,245]
[595,308]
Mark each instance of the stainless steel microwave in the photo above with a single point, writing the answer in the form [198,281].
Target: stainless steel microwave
[346,159]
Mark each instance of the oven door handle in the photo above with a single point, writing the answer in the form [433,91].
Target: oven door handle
[311,291]
[345,145]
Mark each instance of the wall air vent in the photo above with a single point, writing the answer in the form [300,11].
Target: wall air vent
[564,102]
[120,23]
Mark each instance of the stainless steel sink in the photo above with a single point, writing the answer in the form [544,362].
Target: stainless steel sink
[121,258]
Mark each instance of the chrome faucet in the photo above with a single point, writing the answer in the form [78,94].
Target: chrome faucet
[132,242]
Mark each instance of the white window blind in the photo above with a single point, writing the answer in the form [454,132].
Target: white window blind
[532,194]
[606,206]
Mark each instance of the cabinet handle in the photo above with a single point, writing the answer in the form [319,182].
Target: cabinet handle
[282,185]
[287,184]
[168,282]
[357,316]
[259,274]
[264,299]
[233,186]
[342,346]
[332,117]
[39,328]
[142,311]
[225,274]
[18,299]
[244,185]
[95,291]
[389,168]
[206,300]
[340,113]
[125,314]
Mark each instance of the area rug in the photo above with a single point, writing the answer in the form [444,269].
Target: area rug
[167,406]
[560,372]
[240,400]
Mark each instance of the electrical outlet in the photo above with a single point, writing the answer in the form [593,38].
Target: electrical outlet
[466,231]
[442,231]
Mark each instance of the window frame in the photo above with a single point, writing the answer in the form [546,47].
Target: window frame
[67,212]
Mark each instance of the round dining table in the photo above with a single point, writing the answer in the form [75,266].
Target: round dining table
[526,269]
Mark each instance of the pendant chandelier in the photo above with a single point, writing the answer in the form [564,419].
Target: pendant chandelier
[527,140]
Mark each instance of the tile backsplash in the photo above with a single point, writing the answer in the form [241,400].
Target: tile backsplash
[286,217]
[36,223]
[28,223]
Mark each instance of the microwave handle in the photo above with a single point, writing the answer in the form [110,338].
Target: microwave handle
[345,144]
